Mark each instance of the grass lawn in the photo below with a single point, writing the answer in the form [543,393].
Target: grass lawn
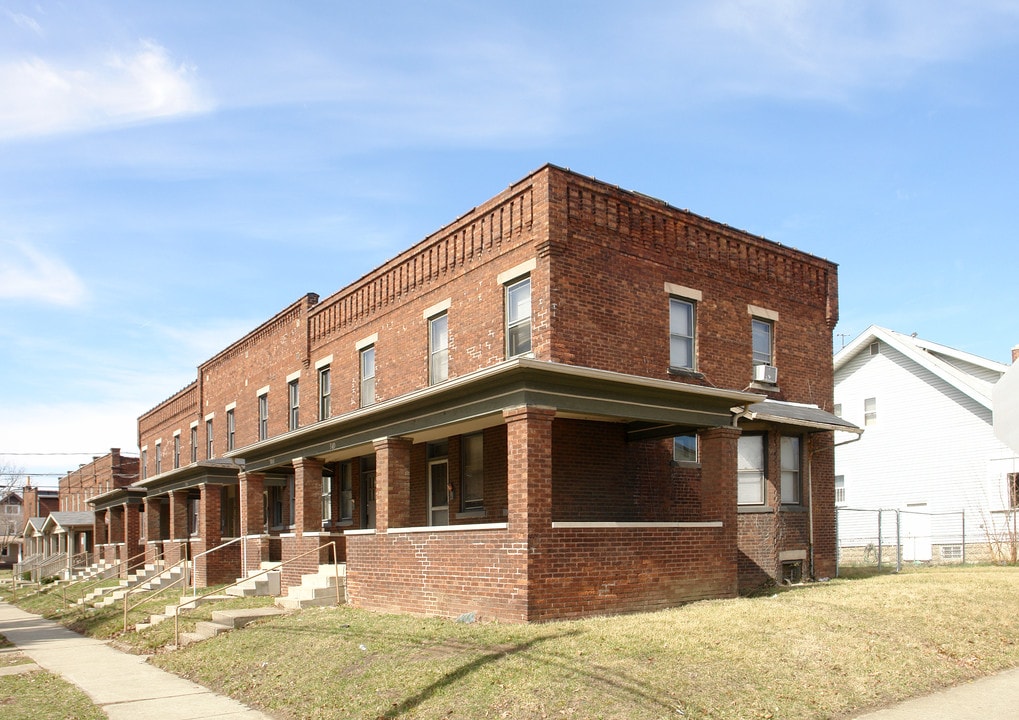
[826,650]
[43,695]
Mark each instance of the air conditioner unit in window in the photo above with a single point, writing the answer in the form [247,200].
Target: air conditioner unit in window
[766,374]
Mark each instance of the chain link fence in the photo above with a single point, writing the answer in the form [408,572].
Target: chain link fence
[887,538]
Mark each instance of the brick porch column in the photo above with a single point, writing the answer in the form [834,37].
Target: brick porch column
[392,483]
[133,534]
[529,469]
[307,496]
[719,460]
[209,507]
[154,540]
[99,528]
[251,488]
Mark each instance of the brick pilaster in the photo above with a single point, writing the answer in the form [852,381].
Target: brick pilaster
[307,495]
[392,483]
[529,469]
[252,501]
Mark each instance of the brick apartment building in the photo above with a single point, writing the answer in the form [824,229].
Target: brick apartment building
[572,400]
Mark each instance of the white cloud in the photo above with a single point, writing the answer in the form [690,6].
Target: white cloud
[26,273]
[24,21]
[42,97]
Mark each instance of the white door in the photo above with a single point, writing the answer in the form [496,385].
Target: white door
[915,526]
[438,492]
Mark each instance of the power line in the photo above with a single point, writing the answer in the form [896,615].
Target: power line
[53,453]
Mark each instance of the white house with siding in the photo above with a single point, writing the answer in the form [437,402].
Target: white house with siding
[928,450]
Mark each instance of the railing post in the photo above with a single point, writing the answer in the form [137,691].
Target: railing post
[880,540]
[963,513]
[898,541]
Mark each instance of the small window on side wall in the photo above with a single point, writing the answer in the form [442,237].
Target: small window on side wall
[368,376]
[438,349]
[750,470]
[790,470]
[681,334]
[684,448]
[762,332]
[518,317]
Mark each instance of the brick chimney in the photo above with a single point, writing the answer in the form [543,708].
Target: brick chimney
[1015,353]
[29,500]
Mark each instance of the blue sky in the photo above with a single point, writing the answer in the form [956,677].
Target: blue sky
[172,174]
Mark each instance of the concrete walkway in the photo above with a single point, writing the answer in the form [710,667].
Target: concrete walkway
[995,697]
[125,686]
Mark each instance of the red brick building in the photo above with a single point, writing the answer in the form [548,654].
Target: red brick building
[572,400]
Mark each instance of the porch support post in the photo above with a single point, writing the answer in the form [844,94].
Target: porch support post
[152,529]
[207,568]
[307,495]
[252,499]
[719,461]
[529,470]
[132,533]
[392,483]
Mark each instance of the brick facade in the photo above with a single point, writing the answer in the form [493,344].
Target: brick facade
[530,485]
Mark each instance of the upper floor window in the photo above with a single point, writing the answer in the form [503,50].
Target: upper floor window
[762,332]
[176,451]
[681,333]
[368,376]
[294,396]
[684,448]
[518,317]
[145,463]
[790,470]
[263,416]
[750,470]
[869,411]
[438,349]
[324,393]
[194,443]
[159,458]
[209,440]
[231,429]
[840,489]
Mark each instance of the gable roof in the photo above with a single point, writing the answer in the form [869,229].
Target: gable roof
[806,416]
[68,520]
[945,362]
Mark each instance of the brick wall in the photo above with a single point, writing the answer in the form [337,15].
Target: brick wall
[99,476]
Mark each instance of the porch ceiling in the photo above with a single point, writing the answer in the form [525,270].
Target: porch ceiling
[476,401]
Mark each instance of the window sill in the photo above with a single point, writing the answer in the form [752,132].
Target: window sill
[467,514]
[766,387]
[793,508]
[754,509]
[685,372]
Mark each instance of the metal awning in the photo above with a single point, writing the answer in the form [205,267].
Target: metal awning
[808,416]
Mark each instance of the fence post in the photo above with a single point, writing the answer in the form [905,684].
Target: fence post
[898,541]
[963,513]
[880,539]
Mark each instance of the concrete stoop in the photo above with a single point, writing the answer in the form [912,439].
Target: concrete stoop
[265,585]
[186,603]
[226,620]
[99,569]
[316,589]
[143,581]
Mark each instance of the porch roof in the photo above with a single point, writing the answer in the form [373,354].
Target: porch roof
[35,524]
[806,416]
[218,471]
[115,497]
[58,521]
[647,406]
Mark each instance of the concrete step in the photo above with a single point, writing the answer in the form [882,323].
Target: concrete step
[224,621]
[261,586]
[316,589]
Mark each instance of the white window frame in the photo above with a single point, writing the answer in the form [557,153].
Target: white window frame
[752,470]
[327,499]
[294,403]
[517,321]
[366,357]
[869,411]
[438,348]
[263,415]
[685,449]
[231,429]
[791,453]
[759,326]
[325,391]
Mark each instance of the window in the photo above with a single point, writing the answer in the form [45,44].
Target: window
[324,393]
[346,493]
[790,452]
[263,416]
[750,470]
[870,411]
[438,349]
[194,443]
[275,509]
[294,394]
[681,334]
[193,509]
[518,318]
[368,376]
[684,448]
[837,410]
[327,499]
[159,458]
[145,463]
[875,348]
[840,490]
[472,492]
[209,444]
[231,430]
[761,331]
[176,451]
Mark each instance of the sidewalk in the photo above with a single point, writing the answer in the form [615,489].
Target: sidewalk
[995,697]
[125,686]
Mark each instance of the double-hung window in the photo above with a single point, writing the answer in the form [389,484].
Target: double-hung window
[194,443]
[324,393]
[472,491]
[145,463]
[159,457]
[294,399]
[368,376]
[346,493]
[263,415]
[762,332]
[681,334]
[231,429]
[438,349]
[176,450]
[209,444]
[327,499]
[684,448]
[518,317]
[750,470]
[790,470]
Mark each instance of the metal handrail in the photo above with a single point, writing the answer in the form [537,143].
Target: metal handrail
[129,591]
[194,575]
[116,565]
[331,543]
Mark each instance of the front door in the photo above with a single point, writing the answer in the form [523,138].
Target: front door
[368,497]
[438,492]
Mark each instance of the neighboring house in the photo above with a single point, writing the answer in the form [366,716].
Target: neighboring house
[10,527]
[573,400]
[59,534]
[928,449]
